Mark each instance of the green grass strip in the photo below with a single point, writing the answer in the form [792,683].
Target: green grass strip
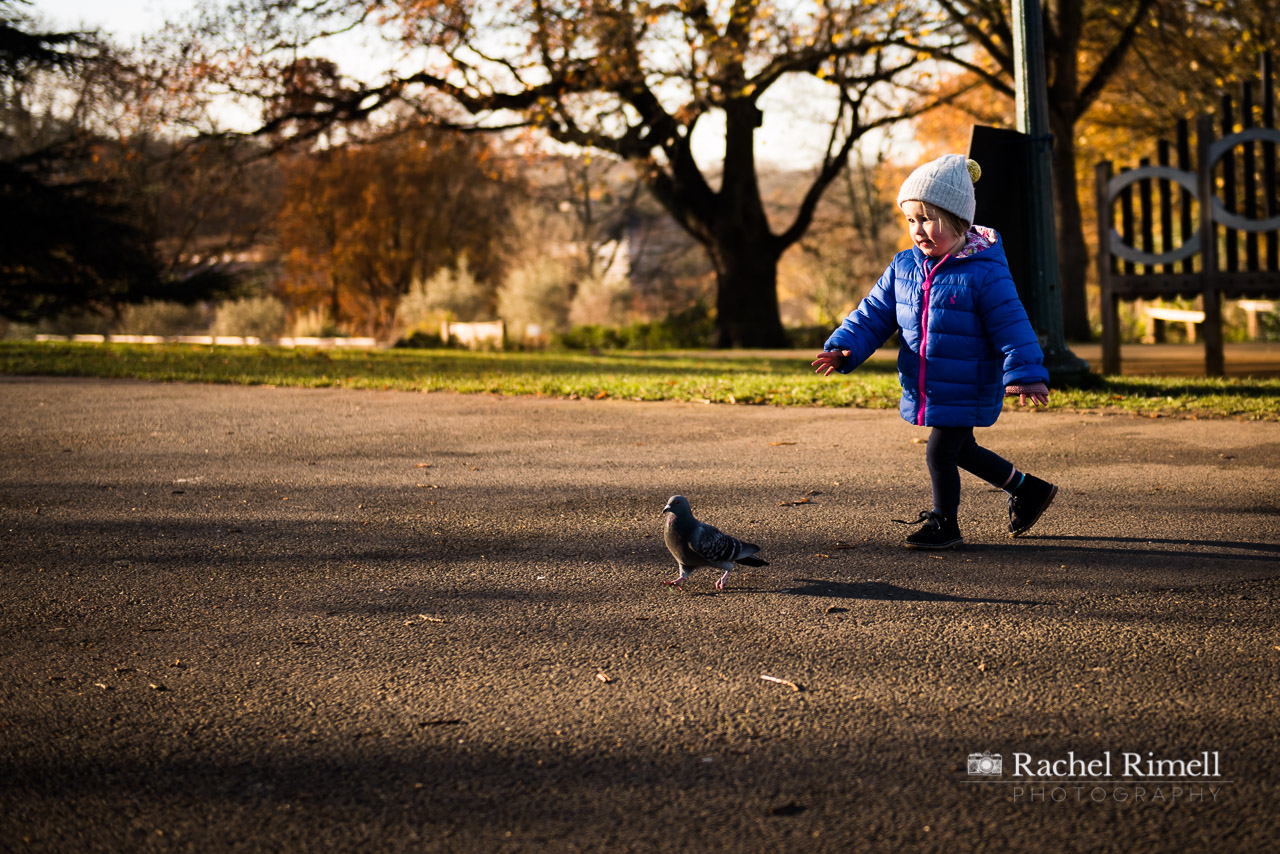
[704,376]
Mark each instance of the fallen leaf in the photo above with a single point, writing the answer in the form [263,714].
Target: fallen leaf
[776,444]
[422,465]
[602,394]
[794,687]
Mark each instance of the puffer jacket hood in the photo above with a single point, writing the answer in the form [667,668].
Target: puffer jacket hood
[975,336]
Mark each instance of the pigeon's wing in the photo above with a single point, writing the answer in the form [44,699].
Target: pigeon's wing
[718,548]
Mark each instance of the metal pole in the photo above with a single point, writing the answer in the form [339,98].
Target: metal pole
[1032,88]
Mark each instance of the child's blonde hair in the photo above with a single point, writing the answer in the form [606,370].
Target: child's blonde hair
[954,223]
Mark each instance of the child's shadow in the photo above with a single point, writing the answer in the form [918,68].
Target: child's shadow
[881,592]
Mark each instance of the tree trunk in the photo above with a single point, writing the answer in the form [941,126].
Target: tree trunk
[744,249]
[747,294]
[1073,255]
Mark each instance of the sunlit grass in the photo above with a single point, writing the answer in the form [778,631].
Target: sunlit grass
[700,376]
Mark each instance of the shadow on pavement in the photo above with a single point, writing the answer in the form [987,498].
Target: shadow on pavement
[1133,545]
[879,591]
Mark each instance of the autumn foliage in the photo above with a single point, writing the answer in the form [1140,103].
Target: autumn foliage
[361,222]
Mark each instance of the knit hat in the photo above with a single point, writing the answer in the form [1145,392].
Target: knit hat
[947,183]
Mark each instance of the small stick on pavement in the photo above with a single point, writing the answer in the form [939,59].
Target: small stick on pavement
[766,677]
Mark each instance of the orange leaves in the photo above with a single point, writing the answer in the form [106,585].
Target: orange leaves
[360,222]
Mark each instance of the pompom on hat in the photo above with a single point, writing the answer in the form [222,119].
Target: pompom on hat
[946,183]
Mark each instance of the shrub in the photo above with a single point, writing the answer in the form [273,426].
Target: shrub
[449,294]
[535,293]
[82,321]
[257,317]
[809,337]
[600,301]
[162,318]
[690,329]
[1269,326]
[315,323]
[420,340]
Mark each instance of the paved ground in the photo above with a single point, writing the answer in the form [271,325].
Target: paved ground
[254,619]
[1240,358]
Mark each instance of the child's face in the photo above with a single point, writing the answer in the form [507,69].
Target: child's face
[933,236]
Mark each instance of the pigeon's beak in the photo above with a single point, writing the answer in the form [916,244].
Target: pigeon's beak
[666,510]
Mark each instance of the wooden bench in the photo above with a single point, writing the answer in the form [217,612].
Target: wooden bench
[1150,246]
[1252,308]
[488,332]
[1157,315]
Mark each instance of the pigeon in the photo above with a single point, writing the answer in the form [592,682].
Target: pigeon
[694,544]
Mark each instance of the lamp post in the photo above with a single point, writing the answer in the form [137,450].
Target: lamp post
[1045,309]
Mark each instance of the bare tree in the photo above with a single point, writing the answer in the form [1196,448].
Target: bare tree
[630,78]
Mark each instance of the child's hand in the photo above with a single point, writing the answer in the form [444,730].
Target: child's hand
[1037,392]
[829,361]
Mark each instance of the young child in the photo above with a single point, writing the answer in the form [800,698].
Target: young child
[966,344]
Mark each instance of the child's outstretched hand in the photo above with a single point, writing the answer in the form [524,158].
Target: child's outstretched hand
[1038,393]
[829,361]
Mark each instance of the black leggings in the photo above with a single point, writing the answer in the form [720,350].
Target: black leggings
[951,449]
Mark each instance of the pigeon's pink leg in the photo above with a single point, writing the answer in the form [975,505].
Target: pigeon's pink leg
[723,578]
[678,581]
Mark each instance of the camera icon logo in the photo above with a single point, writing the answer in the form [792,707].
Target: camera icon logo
[986,764]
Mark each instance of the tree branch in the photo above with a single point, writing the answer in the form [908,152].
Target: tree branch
[1111,63]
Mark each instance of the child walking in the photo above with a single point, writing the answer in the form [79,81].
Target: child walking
[966,345]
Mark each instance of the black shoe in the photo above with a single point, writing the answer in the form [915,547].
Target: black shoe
[938,532]
[1032,498]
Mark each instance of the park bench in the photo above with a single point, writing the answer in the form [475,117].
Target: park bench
[1157,315]
[1157,249]
[489,332]
[1252,308]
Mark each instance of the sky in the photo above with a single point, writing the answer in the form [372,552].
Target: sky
[792,136]
[125,19]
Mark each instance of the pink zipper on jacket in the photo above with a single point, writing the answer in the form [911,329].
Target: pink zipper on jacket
[924,332]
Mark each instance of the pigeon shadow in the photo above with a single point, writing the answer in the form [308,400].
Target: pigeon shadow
[881,592]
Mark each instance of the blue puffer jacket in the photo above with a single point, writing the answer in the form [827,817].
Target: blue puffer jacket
[976,338]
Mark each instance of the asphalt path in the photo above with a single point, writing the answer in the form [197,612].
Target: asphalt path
[262,619]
